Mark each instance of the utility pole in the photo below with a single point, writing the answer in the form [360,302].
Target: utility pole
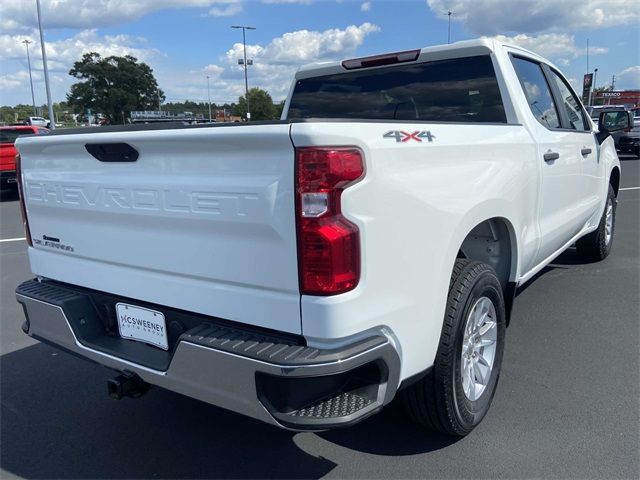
[244,63]
[449,13]
[33,98]
[52,120]
[613,82]
[209,97]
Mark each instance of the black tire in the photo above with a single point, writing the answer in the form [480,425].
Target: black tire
[594,246]
[438,400]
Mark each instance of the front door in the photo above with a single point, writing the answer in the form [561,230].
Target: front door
[561,183]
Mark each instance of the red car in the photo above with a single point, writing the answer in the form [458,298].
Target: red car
[8,152]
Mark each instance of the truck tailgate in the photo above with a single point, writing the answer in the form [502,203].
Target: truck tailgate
[203,220]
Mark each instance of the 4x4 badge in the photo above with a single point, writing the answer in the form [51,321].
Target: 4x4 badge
[402,136]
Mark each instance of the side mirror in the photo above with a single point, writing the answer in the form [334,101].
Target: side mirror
[612,121]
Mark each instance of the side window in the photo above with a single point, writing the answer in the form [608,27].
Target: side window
[570,103]
[537,92]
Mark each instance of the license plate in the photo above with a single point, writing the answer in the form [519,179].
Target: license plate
[142,325]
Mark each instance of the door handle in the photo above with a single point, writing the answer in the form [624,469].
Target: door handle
[585,151]
[551,156]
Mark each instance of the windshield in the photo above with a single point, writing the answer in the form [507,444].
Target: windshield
[455,90]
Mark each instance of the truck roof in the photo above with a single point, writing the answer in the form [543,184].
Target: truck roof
[462,48]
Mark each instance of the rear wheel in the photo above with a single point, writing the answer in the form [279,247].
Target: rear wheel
[597,244]
[456,394]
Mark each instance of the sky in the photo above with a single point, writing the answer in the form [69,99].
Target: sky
[184,41]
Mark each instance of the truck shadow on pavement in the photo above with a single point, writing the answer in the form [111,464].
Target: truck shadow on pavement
[57,422]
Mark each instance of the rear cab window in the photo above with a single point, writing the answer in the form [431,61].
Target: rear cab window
[455,90]
[9,135]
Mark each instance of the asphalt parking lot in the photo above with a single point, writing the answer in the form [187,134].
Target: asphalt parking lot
[566,406]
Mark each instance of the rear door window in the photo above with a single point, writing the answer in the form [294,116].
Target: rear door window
[537,92]
[456,90]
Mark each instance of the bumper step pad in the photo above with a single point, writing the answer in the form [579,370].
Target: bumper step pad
[340,406]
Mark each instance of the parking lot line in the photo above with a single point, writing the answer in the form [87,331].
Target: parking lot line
[631,188]
[3,240]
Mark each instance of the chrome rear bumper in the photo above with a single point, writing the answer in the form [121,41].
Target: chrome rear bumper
[278,381]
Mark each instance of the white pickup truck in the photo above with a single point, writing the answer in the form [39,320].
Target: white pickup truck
[306,271]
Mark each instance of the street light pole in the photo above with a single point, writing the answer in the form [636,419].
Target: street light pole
[209,97]
[52,119]
[246,81]
[33,98]
[449,13]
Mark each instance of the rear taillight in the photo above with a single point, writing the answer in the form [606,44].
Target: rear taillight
[328,243]
[23,208]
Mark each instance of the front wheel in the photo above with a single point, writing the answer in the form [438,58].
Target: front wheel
[597,244]
[456,393]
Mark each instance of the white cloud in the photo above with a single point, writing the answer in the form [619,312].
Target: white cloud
[489,17]
[302,46]
[20,15]
[302,2]
[225,8]
[556,46]
[213,70]
[365,7]
[62,53]
[629,78]
[16,79]
[273,64]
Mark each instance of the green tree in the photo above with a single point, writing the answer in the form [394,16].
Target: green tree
[113,85]
[261,104]
[279,109]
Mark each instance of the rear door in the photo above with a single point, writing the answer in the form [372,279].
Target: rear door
[561,189]
[202,221]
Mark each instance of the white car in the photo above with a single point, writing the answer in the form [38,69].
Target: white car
[306,271]
[37,122]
